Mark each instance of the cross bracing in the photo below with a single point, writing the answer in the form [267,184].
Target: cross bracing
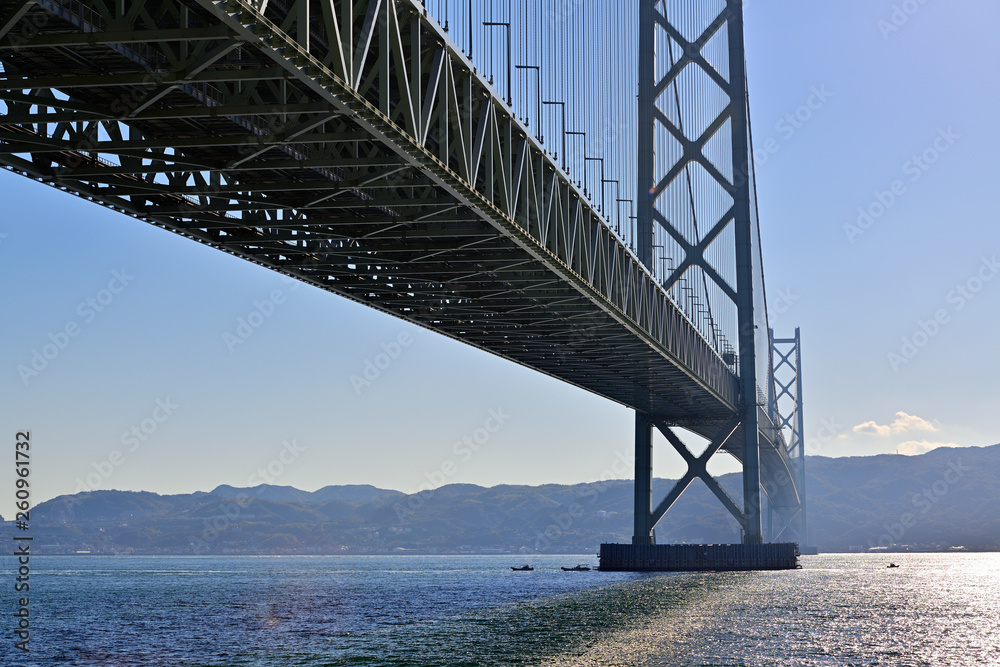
[786,361]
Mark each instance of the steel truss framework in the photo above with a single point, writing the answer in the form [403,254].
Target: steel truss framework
[754,435]
[787,368]
[351,145]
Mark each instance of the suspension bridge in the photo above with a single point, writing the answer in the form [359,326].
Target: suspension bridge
[567,185]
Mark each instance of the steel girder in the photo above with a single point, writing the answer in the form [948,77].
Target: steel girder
[350,145]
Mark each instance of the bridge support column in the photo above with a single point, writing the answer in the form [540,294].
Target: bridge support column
[643,533]
[753,532]
[646,166]
[800,438]
[770,522]
[745,278]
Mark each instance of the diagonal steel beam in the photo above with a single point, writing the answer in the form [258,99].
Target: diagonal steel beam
[17,12]
[697,469]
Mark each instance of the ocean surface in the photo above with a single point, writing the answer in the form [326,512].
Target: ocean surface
[936,609]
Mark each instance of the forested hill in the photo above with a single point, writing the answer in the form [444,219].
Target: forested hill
[945,498]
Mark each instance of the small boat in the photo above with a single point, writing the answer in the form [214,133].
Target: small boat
[891,565]
[523,568]
[577,568]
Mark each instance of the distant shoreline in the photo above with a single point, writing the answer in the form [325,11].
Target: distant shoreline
[512,555]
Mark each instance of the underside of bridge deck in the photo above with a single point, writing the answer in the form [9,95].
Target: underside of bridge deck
[177,113]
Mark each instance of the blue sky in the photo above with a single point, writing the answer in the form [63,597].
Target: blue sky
[855,111]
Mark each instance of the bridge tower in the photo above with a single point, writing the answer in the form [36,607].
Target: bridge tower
[694,145]
[786,355]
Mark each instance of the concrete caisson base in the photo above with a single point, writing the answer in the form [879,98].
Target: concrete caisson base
[698,557]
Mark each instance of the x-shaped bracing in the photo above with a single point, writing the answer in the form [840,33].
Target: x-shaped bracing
[693,149]
[785,388]
[697,468]
[786,524]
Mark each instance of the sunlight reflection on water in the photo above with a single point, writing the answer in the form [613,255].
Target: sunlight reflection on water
[936,609]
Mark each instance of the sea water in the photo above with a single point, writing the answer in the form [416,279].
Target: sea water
[935,609]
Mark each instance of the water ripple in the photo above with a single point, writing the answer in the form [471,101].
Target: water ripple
[937,609]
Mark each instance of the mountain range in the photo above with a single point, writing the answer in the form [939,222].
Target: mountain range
[946,498]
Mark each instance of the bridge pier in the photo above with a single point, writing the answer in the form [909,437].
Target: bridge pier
[643,531]
[752,528]
[698,557]
[643,554]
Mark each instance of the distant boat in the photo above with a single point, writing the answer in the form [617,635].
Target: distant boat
[891,565]
[523,568]
[577,568]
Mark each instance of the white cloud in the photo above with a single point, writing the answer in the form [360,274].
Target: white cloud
[871,428]
[917,447]
[905,422]
[902,424]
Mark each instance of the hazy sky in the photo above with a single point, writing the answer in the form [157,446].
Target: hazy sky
[880,233]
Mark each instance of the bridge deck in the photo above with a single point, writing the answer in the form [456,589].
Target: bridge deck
[227,148]
[366,156]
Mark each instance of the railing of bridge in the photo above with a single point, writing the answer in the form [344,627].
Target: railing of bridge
[567,69]
[573,79]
